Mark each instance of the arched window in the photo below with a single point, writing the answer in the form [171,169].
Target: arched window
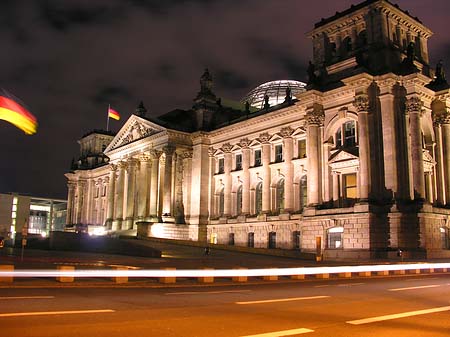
[280,195]
[258,198]
[303,192]
[221,202]
[239,200]
[345,136]
[334,237]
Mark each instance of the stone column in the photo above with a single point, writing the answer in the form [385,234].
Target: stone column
[167,185]
[314,120]
[70,199]
[430,196]
[361,104]
[414,108]
[244,143]
[110,197]
[120,193]
[267,177]
[226,148]
[131,192]
[187,180]
[446,159]
[178,206]
[80,201]
[288,169]
[441,197]
[153,209]
[335,188]
[143,186]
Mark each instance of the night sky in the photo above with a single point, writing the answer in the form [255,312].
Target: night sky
[68,59]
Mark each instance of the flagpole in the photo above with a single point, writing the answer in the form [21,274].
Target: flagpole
[107,118]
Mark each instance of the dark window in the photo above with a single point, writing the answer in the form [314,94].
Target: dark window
[302,148]
[239,200]
[258,161]
[221,165]
[335,237]
[272,240]
[221,202]
[280,195]
[239,162]
[251,240]
[444,238]
[349,134]
[278,153]
[231,239]
[296,239]
[258,198]
[303,192]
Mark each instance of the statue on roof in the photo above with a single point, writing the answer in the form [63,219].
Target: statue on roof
[140,110]
[312,77]
[440,72]
[411,53]
[206,82]
[266,102]
[288,97]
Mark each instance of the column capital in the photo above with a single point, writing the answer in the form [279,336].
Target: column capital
[227,147]
[113,167]
[286,132]
[315,116]
[144,157]
[361,103]
[442,117]
[211,151]
[187,154]
[169,150]
[132,162]
[155,154]
[244,143]
[122,165]
[413,105]
[106,180]
[264,137]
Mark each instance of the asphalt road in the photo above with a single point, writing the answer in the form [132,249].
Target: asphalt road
[414,305]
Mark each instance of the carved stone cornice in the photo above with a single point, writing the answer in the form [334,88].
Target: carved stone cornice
[441,118]
[413,104]
[286,132]
[316,116]
[264,137]
[144,157]
[244,143]
[227,147]
[361,103]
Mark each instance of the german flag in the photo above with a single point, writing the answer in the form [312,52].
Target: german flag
[14,113]
[113,114]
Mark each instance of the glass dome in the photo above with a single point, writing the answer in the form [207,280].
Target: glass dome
[276,90]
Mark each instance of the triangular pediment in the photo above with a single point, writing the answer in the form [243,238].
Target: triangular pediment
[342,155]
[134,129]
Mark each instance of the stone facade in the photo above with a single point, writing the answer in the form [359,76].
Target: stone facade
[360,159]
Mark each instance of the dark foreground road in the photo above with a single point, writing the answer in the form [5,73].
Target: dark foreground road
[393,306]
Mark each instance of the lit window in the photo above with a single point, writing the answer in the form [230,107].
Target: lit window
[14,208]
[258,198]
[280,195]
[15,201]
[303,192]
[13,215]
[350,186]
[444,238]
[239,200]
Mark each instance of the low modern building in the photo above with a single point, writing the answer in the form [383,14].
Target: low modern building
[39,215]
[357,161]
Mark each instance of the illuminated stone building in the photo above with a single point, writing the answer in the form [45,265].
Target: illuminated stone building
[359,157]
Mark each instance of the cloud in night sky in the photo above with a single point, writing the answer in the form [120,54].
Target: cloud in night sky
[68,59]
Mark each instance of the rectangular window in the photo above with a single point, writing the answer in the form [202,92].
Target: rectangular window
[278,153]
[251,240]
[296,239]
[221,165]
[258,161]
[302,148]
[350,186]
[239,162]
[231,239]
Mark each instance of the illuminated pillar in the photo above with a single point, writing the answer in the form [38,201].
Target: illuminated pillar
[226,148]
[314,120]
[288,169]
[246,176]
[187,181]
[154,184]
[446,148]
[120,193]
[110,197]
[264,139]
[70,200]
[167,185]
[441,198]
[361,104]
[143,186]
[131,192]
[414,107]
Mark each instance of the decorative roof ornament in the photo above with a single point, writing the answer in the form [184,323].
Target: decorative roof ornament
[141,110]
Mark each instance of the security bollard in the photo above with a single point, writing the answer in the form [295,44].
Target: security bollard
[120,279]
[6,268]
[383,272]
[65,279]
[297,277]
[365,274]
[324,275]
[399,272]
[206,279]
[239,278]
[345,275]
[168,279]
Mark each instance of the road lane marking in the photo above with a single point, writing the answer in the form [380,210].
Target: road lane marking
[40,313]
[25,297]
[322,286]
[350,284]
[421,279]
[208,292]
[283,300]
[400,315]
[282,333]
[418,287]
